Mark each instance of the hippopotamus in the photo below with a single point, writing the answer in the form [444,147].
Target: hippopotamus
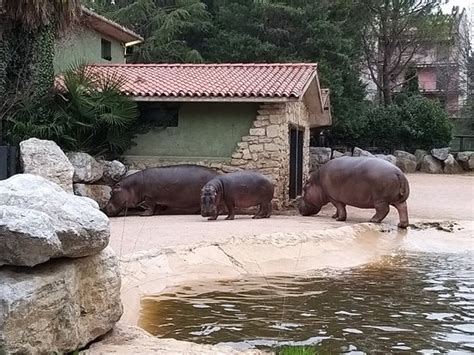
[175,187]
[360,182]
[240,189]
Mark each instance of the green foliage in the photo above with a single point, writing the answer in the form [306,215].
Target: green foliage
[296,350]
[424,124]
[412,123]
[91,115]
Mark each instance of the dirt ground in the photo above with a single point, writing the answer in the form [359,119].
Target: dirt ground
[433,197]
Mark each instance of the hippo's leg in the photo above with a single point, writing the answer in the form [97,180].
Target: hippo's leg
[259,212]
[341,213]
[231,209]
[381,211]
[213,218]
[403,214]
[149,206]
[268,210]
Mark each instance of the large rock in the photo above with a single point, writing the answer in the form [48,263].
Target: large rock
[361,153]
[431,165]
[46,159]
[337,154]
[319,155]
[466,159]
[126,339]
[59,306]
[114,171]
[27,237]
[419,155]
[405,161]
[86,168]
[78,224]
[389,157]
[451,166]
[99,193]
[440,153]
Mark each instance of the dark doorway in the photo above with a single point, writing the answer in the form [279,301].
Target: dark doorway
[296,162]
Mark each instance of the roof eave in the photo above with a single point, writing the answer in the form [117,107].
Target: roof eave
[211,99]
[110,28]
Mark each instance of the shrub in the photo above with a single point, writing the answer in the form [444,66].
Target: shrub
[424,124]
[88,114]
[412,122]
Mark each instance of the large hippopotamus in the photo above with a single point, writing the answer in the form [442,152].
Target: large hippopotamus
[241,189]
[175,187]
[357,181]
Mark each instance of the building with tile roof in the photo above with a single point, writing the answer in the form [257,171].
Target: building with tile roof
[94,39]
[227,116]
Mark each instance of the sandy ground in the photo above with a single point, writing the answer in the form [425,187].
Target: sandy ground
[433,197]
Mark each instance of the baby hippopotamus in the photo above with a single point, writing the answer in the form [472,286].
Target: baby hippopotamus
[360,182]
[240,189]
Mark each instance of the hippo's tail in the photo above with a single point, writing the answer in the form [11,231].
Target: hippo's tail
[404,187]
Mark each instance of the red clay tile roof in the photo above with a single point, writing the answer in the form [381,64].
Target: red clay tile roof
[213,80]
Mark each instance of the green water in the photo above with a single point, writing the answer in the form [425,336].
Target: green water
[406,303]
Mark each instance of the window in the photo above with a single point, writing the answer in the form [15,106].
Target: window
[157,115]
[106,49]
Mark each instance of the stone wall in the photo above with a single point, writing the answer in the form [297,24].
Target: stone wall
[266,148]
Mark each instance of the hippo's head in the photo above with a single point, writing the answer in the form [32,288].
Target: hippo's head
[117,202]
[310,202]
[209,201]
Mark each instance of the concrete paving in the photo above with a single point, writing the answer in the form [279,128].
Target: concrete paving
[433,197]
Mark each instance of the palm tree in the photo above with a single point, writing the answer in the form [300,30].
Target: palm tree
[32,14]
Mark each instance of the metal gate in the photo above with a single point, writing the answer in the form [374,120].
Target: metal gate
[296,162]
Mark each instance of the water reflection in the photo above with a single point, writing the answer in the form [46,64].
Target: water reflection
[422,302]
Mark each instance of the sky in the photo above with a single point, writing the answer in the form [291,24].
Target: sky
[469,5]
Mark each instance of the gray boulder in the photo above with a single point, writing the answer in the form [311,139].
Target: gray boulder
[86,168]
[419,155]
[99,193]
[451,166]
[27,237]
[405,161]
[60,306]
[466,159]
[441,153]
[45,158]
[431,165]
[389,157]
[114,171]
[361,153]
[337,154]
[318,156]
[81,228]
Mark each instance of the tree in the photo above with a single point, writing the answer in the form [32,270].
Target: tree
[396,31]
[27,48]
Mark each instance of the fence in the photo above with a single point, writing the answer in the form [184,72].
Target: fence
[462,142]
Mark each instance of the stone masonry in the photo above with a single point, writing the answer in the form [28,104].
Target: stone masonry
[266,148]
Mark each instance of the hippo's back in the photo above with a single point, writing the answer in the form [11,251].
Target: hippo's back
[184,173]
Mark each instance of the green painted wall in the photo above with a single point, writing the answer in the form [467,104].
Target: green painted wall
[81,44]
[205,130]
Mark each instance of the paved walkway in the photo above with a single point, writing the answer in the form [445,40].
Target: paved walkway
[433,197]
